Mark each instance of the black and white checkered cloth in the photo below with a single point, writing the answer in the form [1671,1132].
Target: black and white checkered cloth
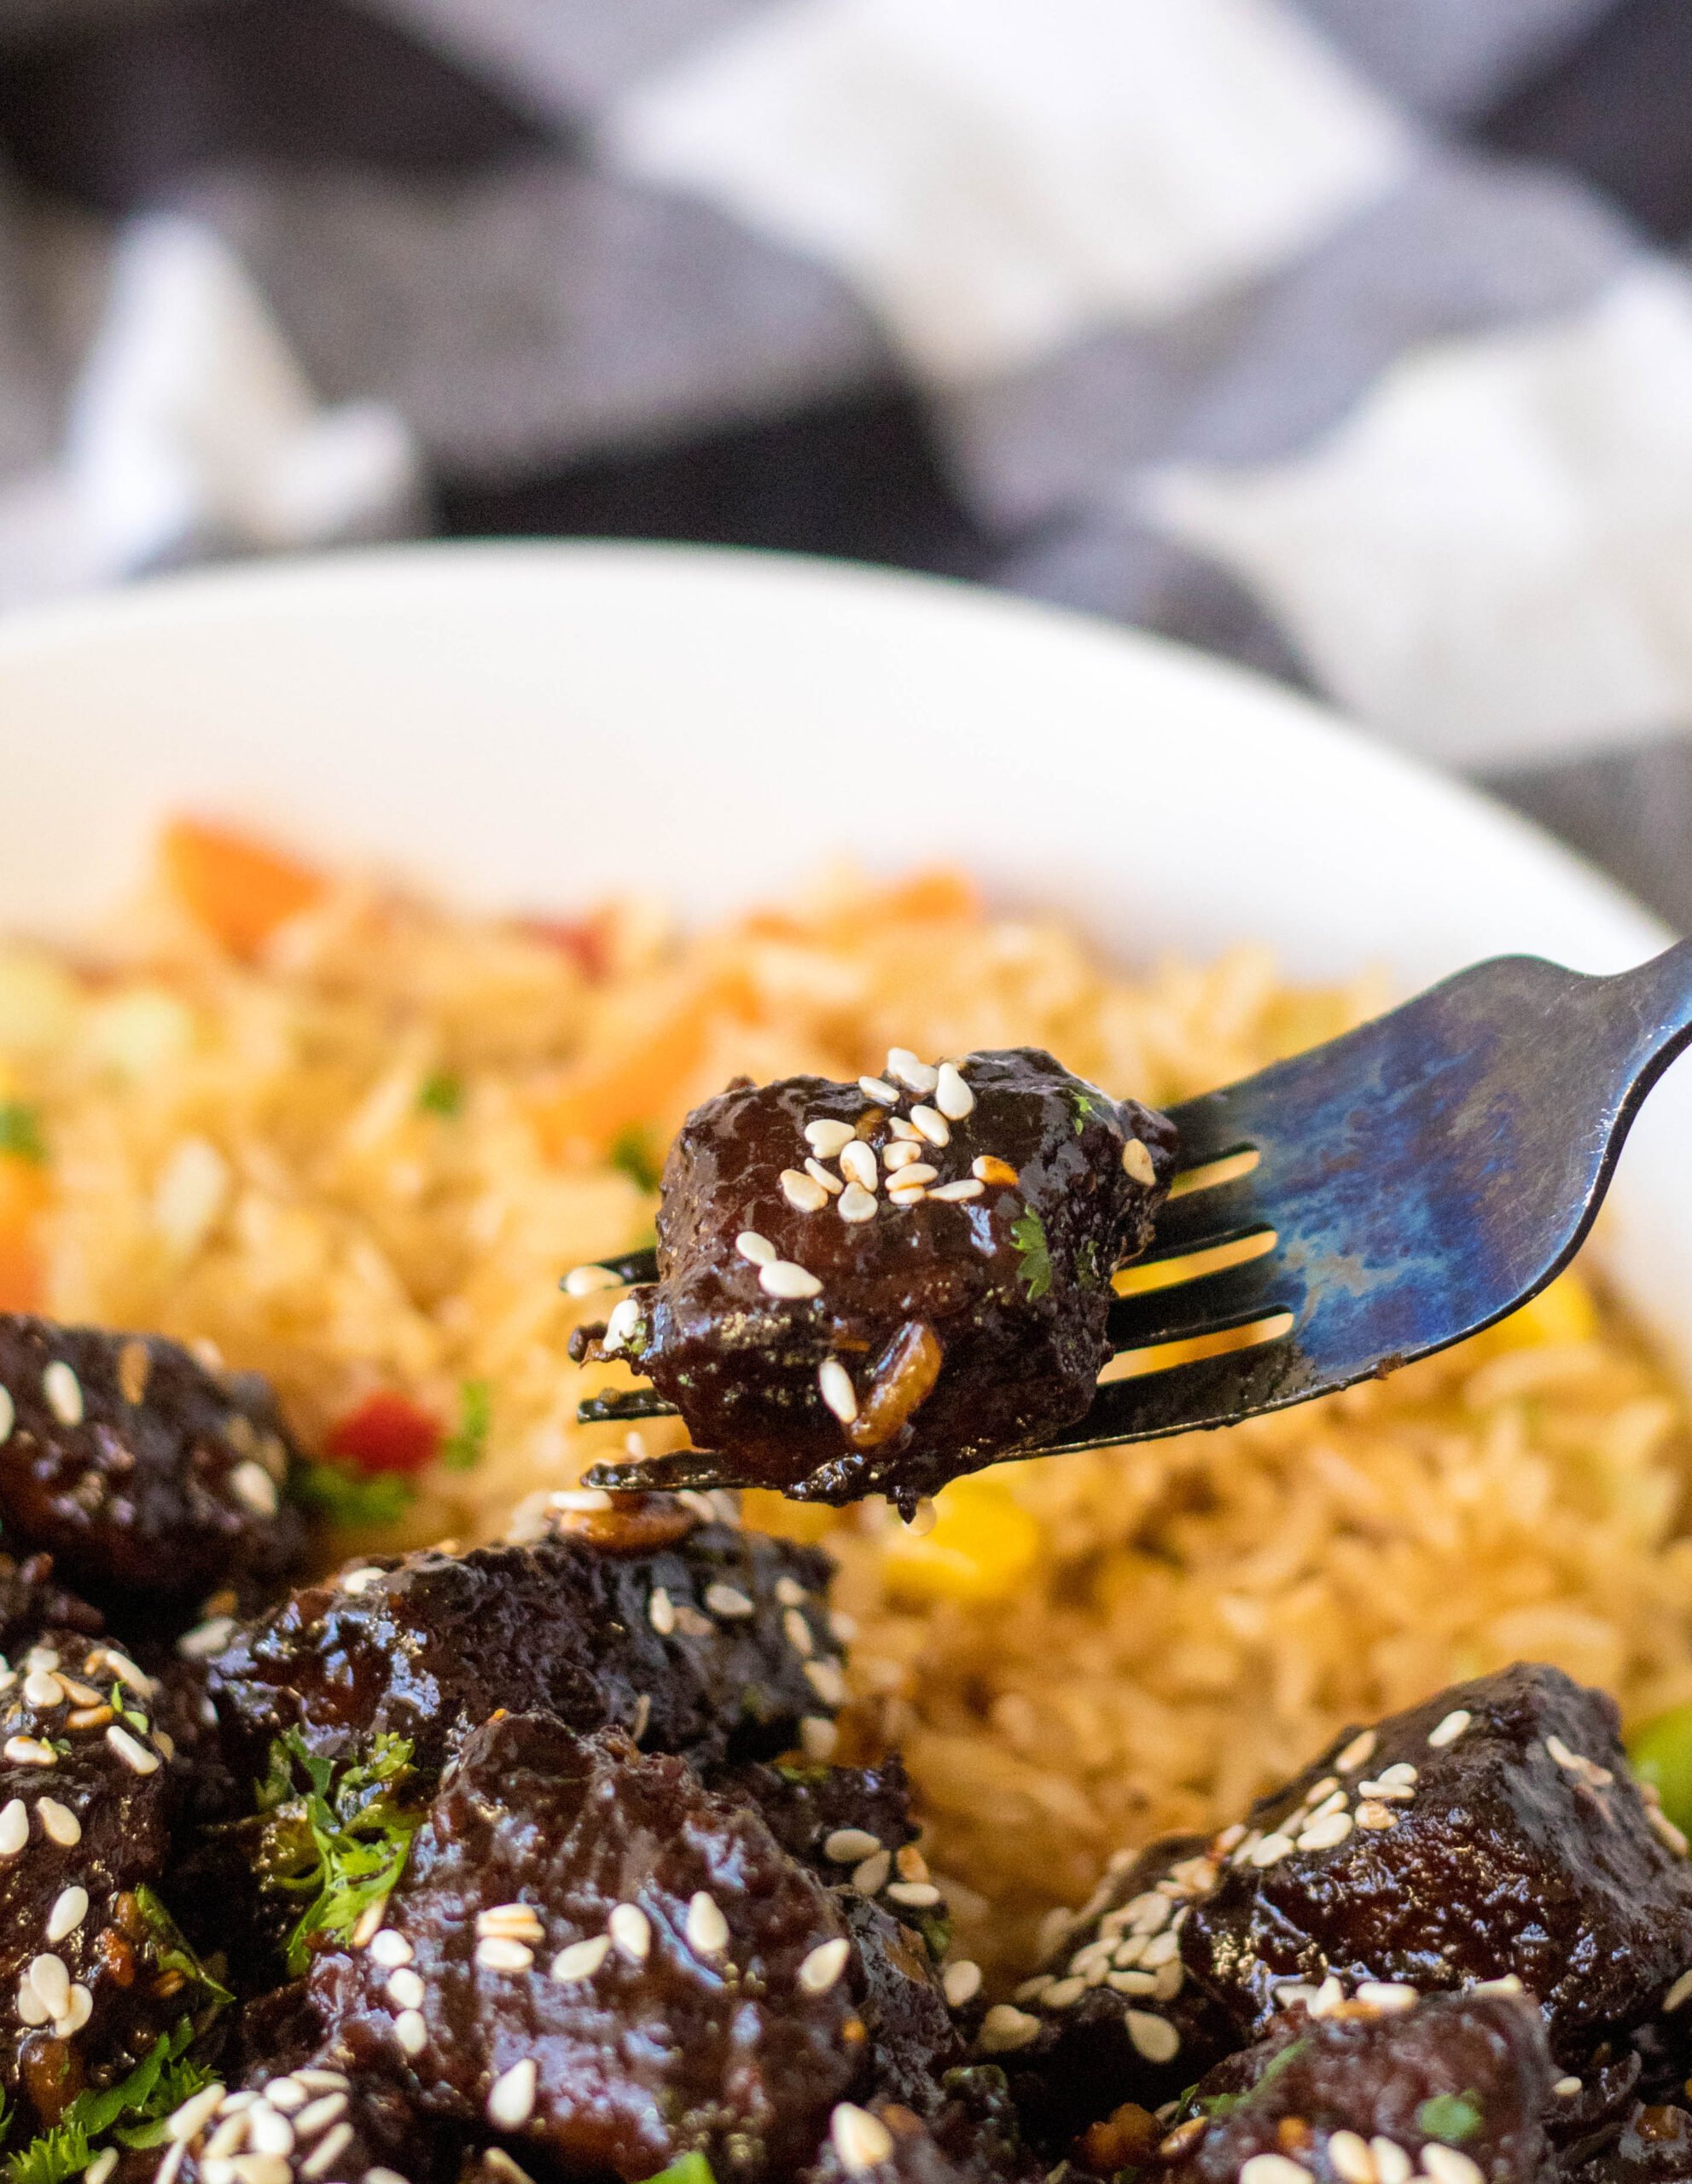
[1352,338]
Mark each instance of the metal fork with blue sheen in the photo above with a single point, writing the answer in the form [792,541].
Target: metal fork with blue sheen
[1358,1206]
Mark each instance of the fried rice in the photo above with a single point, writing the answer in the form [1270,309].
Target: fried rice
[352,1139]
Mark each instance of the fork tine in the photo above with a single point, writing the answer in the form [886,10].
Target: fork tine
[1231,1298]
[1191,1398]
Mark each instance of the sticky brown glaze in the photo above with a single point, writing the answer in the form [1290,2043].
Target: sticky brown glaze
[968,1330]
[1117,2016]
[1654,2147]
[85,2003]
[1520,1848]
[689,2025]
[146,1477]
[972,2139]
[1469,2072]
[689,1645]
[32,1602]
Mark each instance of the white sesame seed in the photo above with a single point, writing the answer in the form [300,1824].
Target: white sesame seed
[393,2176]
[960,1982]
[63,1392]
[1385,1793]
[856,1204]
[901,1153]
[246,2168]
[269,2131]
[1273,2169]
[42,1688]
[1399,1771]
[956,1193]
[583,1280]
[932,1125]
[1131,1982]
[1153,2037]
[499,1953]
[13,1827]
[1451,1728]
[660,1611]
[822,1969]
[858,1164]
[251,1483]
[369,1923]
[1271,1849]
[122,1667]
[30,2006]
[206,1638]
[57,1821]
[1324,1834]
[70,1909]
[872,1876]
[1676,1996]
[818,1737]
[825,1679]
[1136,1163]
[581,1960]
[826,1135]
[952,1096]
[194,2114]
[819,1174]
[328,2151]
[390,1947]
[916,1175]
[728,1602]
[782,1278]
[47,1656]
[1566,2089]
[8,1414]
[1511,1984]
[405,1988]
[1357,1752]
[79,2008]
[862,2140]
[411,2032]
[834,1384]
[878,1089]
[1372,1814]
[803,1193]
[322,2081]
[790,1592]
[1005,2028]
[916,1076]
[319,2115]
[30,1751]
[1329,1997]
[230,2137]
[903,1195]
[1447,2165]
[285,2093]
[759,1249]
[905,1133]
[1665,1831]
[631,1930]
[623,1319]
[134,1756]
[1162,1948]
[1352,2159]
[915,1895]
[707,1928]
[1389,1996]
[511,2100]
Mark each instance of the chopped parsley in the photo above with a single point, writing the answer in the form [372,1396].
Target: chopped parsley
[133,2112]
[632,1153]
[464,1448]
[21,1134]
[353,1497]
[1028,1233]
[685,2169]
[171,1951]
[1087,1265]
[1451,2118]
[441,1094]
[1085,1108]
[342,1838]
[1217,2105]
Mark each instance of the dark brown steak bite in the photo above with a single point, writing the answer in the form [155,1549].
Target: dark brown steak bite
[1493,1831]
[88,1791]
[970,2141]
[141,1473]
[714,1643]
[1456,2084]
[1654,2146]
[1114,2015]
[32,1602]
[951,1327]
[590,1951]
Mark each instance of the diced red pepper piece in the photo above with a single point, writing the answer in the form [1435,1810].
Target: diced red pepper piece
[387,1432]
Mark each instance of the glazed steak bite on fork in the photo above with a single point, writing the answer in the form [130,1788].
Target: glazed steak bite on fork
[876,1286]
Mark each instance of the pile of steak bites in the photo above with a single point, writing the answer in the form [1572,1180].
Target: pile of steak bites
[531,1863]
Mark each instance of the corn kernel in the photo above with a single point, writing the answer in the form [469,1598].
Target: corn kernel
[983,1546]
[806,1521]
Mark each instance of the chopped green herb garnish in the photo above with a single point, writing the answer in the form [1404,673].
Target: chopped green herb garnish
[442,1093]
[1028,1233]
[134,2111]
[353,1497]
[686,2169]
[171,1951]
[1217,2105]
[1451,2118]
[464,1448]
[57,2154]
[342,1838]
[1087,1265]
[1085,1107]
[633,1154]
[20,1131]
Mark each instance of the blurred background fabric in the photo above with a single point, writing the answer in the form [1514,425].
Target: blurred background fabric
[1352,339]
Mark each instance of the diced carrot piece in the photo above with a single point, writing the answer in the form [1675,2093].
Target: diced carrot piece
[23,1192]
[238,889]
[595,1107]
[937,896]
[386,1432]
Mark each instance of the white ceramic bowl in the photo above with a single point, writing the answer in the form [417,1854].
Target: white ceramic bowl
[533,725]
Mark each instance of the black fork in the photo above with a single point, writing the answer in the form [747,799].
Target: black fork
[1358,1206]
